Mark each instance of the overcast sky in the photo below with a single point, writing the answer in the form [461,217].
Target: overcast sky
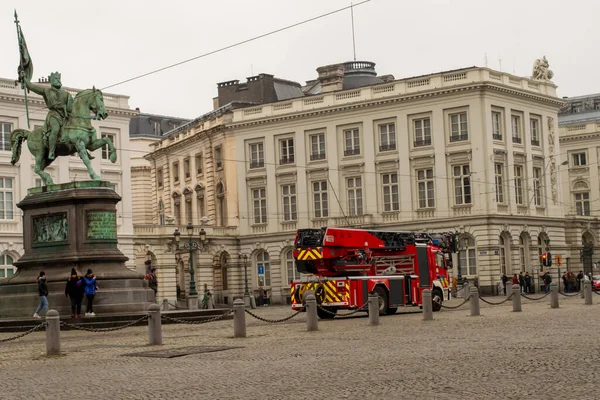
[103,42]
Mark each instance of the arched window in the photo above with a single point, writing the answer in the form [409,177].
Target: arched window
[467,256]
[6,266]
[221,205]
[290,266]
[504,251]
[581,196]
[263,268]
[587,238]
[161,212]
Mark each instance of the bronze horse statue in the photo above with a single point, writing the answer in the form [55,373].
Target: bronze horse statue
[77,136]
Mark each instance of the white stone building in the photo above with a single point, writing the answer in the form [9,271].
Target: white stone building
[472,150]
[15,180]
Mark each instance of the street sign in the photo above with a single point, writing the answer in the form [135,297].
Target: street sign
[261,269]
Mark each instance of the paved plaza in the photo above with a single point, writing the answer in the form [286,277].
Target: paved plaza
[540,353]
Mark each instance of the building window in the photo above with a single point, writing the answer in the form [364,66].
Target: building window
[351,142]
[355,205]
[176,171]
[459,129]
[499,169]
[534,127]
[537,186]
[6,266]
[218,158]
[387,137]
[186,168]
[516,129]
[288,193]
[188,208]
[105,149]
[200,202]
[320,199]
[259,202]
[422,132]
[221,205]
[391,201]
[159,177]
[6,198]
[317,147]
[502,255]
[161,213]
[199,164]
[596,104]
[157,129]
[286,147]
[263,269]
[582,203]
[177,209]
[579,159]
[5,129]
[425,188]
[496,125]
[462,184]
[467,256]
[519,184]
[524,253]
[257,155]
[290,266]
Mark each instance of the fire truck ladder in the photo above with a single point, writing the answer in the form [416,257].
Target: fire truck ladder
[394,240]
[404,264]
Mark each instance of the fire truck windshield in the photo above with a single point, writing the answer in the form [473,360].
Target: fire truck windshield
[309,238]
[439,260]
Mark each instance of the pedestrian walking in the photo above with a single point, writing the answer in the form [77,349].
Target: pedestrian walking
[515,279]
[527,283]
[43,292]
[504,282]
[90,292]
[521,282]
[153,282]
[579,279]
[74,291]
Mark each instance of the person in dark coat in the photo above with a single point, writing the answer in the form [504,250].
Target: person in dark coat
[504,282]
[521,281]
[153,283]
[43,292]
[90,292]
[74,291]
[527,283]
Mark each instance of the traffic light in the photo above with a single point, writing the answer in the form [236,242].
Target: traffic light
[547,259]
[544,259]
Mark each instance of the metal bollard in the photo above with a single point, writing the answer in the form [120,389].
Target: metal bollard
[587,289]
[474,293]
[554,295]
[239,318]
[312,323]
[373,309]
[465,290]
[516,299]
[427,305]
[165,305]
[52,333]
[154,325]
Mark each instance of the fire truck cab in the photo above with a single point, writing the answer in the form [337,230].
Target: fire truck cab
[343,265]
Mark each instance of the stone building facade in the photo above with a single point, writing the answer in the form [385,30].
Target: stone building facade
[16,179]
[472,150]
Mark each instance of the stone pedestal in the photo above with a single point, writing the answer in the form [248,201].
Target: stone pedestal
[67,226]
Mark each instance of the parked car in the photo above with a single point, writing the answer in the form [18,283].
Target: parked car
[596,282]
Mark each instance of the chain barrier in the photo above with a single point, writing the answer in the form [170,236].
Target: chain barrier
[534,299]
[572,294]
[458,306]
[275,321]
[19,336]
[345,315]
[203,321]
[99,330]
[596,292]
[497,304]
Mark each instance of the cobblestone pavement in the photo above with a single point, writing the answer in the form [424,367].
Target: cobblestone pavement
[540,353]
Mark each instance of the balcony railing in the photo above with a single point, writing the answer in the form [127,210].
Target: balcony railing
[422,142]
[517,140]
[459,138]
[257,164]
[535,142]
[352,152]
[387,147]
[317,156]
[497,136]
[286,160]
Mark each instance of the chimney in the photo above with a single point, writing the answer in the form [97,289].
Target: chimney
[331,77]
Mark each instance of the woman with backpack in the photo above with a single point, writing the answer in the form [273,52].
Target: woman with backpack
[90,292]
[74,291]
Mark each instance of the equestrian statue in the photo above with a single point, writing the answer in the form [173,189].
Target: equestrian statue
[67,129]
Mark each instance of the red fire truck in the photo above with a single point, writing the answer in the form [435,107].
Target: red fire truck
[342,266]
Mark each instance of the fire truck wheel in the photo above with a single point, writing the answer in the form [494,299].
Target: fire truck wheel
[391,310]
[326,312]
[383,299]
[436,299]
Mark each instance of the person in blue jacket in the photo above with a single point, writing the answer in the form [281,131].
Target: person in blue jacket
[90,292]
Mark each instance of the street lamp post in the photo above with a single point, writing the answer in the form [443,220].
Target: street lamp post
[248,300]
[191,246]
